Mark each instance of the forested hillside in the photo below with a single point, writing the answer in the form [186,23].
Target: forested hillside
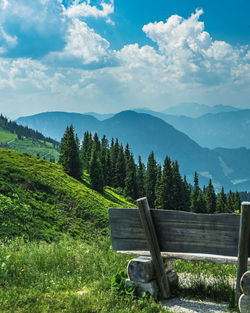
[24,139]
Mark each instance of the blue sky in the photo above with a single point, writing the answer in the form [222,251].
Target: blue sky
[108,56]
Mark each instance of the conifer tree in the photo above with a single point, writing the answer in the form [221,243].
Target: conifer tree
[140,177]
[85,152]
[114,151]
[97,143]
[95,171]
[177,188]
[230,202]
[158,189]
[187,194]
[150,180]
[194,195]
[69,154]
[201,202]
[120,170]
[107,169]
[221,204]
[237,205]
[131,189]
[167,185]
[210,198]
[103,159]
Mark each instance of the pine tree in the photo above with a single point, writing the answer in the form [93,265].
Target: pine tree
[158,189]
[69,154]
[167,185]
[107,169]
[194,195]
[237,205]
[221,204]
[187,194]
[210,198]
[95,171]
[103,159]
[120,170]
[114,151]
[150,180]
[140,177]
[177,188]
[131,189]
[230,202]
[201,202]
[85,152]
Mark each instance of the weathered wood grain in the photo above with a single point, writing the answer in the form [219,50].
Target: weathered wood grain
[243,247]
[177,231]
[153,245]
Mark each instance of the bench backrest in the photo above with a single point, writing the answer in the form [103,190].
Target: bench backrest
[177,231]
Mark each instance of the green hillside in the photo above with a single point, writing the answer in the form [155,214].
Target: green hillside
[40,201]
[24,139]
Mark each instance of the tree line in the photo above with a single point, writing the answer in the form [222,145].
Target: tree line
[112,164]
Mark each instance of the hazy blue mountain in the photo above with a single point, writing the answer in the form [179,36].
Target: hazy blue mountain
[146,133]
[55,123]
[224,129]
[100,116]
[193,109]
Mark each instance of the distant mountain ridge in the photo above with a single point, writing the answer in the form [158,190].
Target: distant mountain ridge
[193,109]
[146,133]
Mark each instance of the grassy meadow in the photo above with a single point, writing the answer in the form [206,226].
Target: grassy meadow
[73,275]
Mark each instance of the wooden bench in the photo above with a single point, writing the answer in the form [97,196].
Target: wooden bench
[218,238]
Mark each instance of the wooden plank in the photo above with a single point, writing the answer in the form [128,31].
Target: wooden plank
[181,232]
[244,242]
[219,259]
[153,246]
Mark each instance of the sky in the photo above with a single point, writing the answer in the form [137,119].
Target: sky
[112,55]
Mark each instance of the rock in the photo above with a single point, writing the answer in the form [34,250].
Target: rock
[172,277]
[244,304]
[141,269]
[150,287]
[245,283]
[168,264]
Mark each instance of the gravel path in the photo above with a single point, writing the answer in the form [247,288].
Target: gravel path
[195,306]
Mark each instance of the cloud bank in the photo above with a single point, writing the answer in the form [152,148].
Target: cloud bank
[79,70]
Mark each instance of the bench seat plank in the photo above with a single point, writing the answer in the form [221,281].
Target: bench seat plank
[178,231]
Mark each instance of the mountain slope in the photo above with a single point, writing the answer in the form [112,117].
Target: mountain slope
[52,202]
[24,139]
[224,129]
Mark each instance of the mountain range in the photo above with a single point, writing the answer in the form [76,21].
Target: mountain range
[146,133]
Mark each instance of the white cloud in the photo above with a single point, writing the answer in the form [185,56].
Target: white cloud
[83,46]
[84,9]
[190,51]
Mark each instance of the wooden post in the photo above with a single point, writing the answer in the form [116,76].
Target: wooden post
[153,246]
[243,247]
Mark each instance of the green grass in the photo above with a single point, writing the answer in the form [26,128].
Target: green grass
[42,277]
[32,146]
[49,201]
[6,136]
